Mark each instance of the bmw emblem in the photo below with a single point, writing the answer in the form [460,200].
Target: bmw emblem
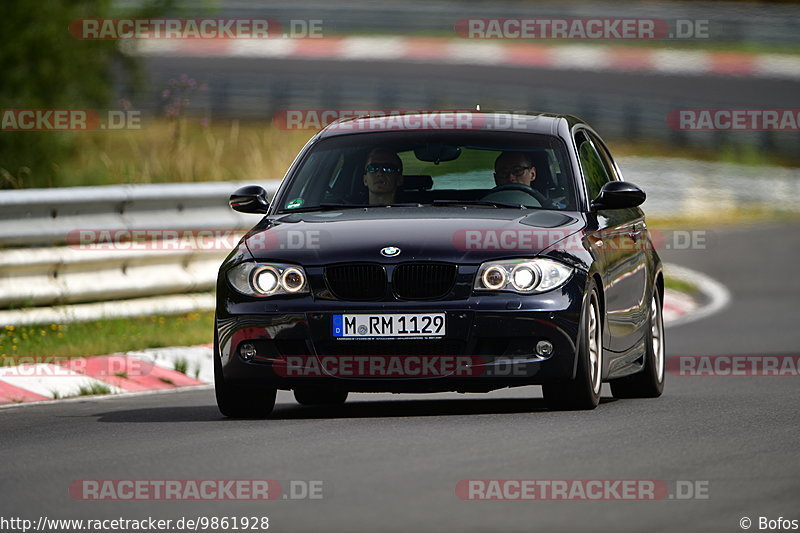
[390,251]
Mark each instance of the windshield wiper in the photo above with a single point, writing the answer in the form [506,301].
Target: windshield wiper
[333,207]
[478,202]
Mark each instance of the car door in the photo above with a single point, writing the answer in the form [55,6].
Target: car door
[618,242]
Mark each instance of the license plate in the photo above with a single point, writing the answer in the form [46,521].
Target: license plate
[399,325]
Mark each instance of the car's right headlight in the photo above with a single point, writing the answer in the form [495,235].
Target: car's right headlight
[525,276]
[268,279]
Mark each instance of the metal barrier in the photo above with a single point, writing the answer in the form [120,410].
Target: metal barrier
[41,283]
[37,268]
[46,216]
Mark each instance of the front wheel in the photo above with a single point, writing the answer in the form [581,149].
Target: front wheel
[649,382]
[241,400]
[583,392]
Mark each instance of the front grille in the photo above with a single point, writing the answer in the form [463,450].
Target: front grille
[393,347]
[356,281]
[423,281]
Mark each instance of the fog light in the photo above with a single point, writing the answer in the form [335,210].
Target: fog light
[247,351]
[544,348]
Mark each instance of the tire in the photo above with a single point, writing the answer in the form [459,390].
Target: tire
[236,400]
[320,396]
[649,382]
[582,392]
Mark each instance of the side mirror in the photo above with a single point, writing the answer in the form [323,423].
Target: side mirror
[249,199]
[618,195]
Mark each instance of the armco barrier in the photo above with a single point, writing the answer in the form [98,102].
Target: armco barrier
[45,216]
[41,280]
[40,275]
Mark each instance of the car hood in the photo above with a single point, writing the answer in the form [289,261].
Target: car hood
[462,235]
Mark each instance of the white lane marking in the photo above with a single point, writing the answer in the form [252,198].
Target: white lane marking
[717,294]
[372,48]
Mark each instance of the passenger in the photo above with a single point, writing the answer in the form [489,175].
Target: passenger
[514,167]
[383,174]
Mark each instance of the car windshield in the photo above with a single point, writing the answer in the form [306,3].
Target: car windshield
[482,169]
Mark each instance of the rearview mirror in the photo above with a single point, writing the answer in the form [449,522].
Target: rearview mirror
[249,199]
[618,195]
[435,153]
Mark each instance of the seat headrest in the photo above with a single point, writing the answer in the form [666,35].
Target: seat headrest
[542,164]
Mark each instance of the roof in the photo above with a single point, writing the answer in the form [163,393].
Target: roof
[541,123]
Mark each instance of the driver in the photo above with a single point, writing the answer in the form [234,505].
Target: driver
[383,174]
[514,167]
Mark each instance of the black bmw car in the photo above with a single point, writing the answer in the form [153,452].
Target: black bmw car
[442,252]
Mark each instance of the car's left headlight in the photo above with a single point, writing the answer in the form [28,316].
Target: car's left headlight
[525,276]
[268,279]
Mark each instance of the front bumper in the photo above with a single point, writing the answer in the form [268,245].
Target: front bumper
[490,343]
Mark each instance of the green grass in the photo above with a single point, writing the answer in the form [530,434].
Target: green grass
[104,337]
[257,151]
[741,216]
[181,365]
[740,155]
[93,390]
[679,285]
[153,154]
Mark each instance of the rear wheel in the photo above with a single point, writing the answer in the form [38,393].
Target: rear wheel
[319,396]
[583,392]
[649,382]
[241,400]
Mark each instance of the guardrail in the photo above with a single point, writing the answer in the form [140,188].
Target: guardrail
[46,216]
[42,280]
[50,273]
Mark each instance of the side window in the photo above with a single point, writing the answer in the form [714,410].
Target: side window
[594,170]
[608,161]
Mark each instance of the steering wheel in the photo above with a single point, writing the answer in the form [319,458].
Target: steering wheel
[539,197]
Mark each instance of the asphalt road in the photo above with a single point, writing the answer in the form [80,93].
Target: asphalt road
[391,463]
[620,102]
[718,91]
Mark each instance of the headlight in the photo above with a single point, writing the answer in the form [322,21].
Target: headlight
[267,279]
[527,276]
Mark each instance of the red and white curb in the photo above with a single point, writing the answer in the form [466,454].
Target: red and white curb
[589,57]
[164,369]
[159,369]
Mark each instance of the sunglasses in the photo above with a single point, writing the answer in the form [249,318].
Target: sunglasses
[386,168]
[514,171]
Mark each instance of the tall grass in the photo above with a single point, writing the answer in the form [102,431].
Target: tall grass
[188,151]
